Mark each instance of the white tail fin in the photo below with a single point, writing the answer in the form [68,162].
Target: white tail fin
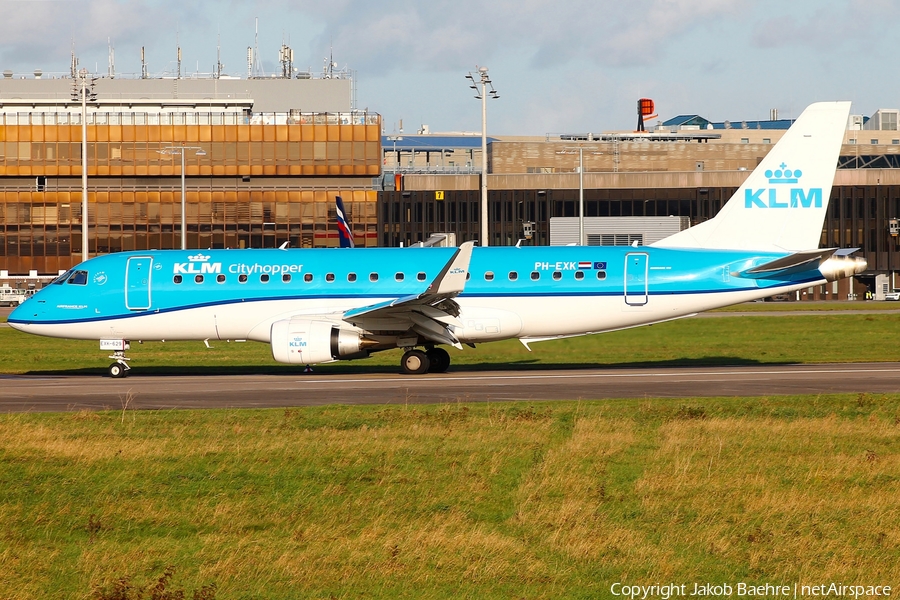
[782,205]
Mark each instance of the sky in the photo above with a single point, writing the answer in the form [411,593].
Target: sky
[563,66]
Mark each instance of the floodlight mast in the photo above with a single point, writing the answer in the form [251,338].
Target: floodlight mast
[172,150]
[481,94]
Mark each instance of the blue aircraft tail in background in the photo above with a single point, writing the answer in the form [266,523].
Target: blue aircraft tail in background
[343,226]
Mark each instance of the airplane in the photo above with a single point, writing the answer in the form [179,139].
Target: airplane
[322,305]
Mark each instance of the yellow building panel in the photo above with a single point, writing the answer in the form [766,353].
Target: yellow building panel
[256,133]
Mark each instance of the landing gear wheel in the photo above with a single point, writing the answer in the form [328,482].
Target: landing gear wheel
[440,360]
[414,362]
[117,370]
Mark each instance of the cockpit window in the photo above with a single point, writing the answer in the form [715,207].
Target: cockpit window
[62,278]
[78,278]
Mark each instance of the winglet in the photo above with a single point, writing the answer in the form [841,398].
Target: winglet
[452,278]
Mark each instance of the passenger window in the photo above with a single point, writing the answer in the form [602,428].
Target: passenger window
[420,276]
[177,279]
[579,275]
[264,278]
[286,277]
[220,278]
[308,277]
[535,275]
[78,278]
[398,276]
[513,275]
[557,275]
[351,277]
[242,278]
[198,278]
[373,276]
[601,275]
[488,275]
[329,277]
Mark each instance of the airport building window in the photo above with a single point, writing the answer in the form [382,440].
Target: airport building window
[264,278]
[420,276]
[286,277]
[220,278]
[557,275]
[601,275]
[198,278]
[579,275]
[373,276]
[398,276]
[308,278]
[242,278]
[351,277]
[329,277]
[177,279]
[513,275]
[535,275]
[488,275]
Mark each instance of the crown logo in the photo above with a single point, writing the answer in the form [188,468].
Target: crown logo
[198,258]
[783,175]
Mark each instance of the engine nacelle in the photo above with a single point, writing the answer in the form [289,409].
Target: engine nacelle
[306,342]
[841,267]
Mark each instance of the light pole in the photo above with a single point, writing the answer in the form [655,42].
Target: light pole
[481,94]
[80,91]
[580,189]
[172,150]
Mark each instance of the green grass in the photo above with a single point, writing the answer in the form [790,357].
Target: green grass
[831,337]
[554,500]
[825,306]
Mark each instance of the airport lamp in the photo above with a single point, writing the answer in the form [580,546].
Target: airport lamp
[171,151]
[481,94]
[580,150]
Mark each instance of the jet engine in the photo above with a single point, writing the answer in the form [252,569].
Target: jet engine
[840,267]
[305,342]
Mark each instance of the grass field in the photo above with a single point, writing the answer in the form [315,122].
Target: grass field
[557,500]
[831,337]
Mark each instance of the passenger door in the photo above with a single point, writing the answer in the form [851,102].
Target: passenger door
[137,282]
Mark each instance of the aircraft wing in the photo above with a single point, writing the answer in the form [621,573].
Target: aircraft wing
[432,314]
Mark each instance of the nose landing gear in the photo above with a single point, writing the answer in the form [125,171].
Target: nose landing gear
[119,368]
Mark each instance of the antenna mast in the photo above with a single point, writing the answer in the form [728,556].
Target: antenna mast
[111,67]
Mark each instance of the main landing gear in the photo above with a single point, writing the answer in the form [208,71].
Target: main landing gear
[417,362]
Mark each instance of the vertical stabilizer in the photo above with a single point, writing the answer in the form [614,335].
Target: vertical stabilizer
[344,232]
[782,204]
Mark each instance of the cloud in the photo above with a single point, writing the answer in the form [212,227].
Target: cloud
[44,31]
[826,27]
[446,35]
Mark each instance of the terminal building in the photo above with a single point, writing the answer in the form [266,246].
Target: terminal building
[263,161]
[264,158]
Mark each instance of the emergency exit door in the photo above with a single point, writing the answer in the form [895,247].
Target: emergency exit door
[636,270]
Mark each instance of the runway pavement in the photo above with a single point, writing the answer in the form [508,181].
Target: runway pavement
[27,393]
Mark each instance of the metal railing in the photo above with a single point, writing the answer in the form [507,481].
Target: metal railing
[190,118]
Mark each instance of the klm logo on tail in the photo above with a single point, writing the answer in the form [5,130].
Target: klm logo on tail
[775,197]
